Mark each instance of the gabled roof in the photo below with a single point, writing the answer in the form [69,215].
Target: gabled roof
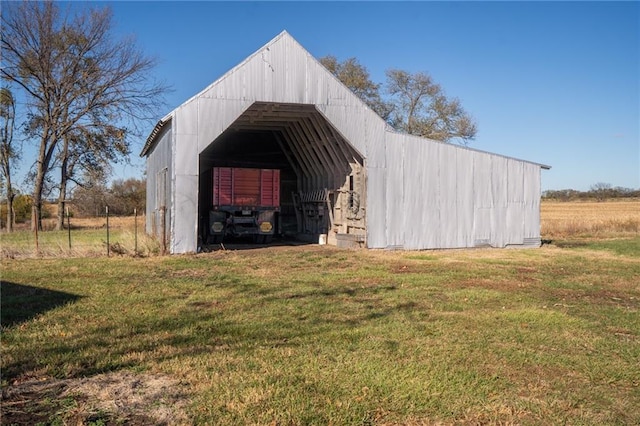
[285,36]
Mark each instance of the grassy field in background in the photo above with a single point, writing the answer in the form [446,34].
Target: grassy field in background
[319,335]
[88,239]
[590,219]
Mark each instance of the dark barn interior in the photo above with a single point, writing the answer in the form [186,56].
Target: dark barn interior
[320,170]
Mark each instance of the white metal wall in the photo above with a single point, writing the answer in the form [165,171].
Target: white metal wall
[159,186]
[440,195]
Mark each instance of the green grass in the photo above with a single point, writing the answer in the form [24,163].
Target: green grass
[84,243]
[318,335]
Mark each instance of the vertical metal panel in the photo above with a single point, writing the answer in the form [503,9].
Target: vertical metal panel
[450,196]
[499,196]
[464,198]
[318,83]
[159,161]
[376,207]
[515,206]
[286,73]
[482,200]
[499,226]
[264,73]
[394,209]
[184,197]
[482,195]
[185,153]
[184,222]
[515,181]
[296,70]
[449,222]
[532,201]
[482,227]
[421,194]
[515,223]
[430,230]
[499,177]
[374,133]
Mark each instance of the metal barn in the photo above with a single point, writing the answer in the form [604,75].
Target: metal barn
[345,175]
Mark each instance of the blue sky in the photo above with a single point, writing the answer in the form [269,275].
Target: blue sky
[551,82]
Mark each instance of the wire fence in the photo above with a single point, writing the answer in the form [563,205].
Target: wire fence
[105,235]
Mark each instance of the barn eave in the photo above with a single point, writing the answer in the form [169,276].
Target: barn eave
[157,129]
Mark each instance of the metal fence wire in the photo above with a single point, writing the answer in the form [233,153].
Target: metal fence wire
[105,235]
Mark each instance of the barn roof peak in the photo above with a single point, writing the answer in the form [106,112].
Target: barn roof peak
[284,34]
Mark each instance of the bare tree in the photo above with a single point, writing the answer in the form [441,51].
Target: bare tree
[356,77]
[85,155]
[422,108]
[8,151]
[601,190]
[417,105]
[78,80]
[122,198]
[128,194]
[89,200]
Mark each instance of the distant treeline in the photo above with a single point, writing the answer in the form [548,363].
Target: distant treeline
[122,197]
[599,192]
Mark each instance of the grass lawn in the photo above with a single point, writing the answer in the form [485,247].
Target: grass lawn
[318,335]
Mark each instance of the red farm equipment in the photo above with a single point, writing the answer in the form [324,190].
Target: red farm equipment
[245,203]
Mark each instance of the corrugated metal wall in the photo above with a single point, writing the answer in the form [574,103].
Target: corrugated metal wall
[159,184]
[445,196]
[419,193]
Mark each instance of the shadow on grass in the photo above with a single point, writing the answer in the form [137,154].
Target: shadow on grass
[246,243]
[620,246]
[22,302]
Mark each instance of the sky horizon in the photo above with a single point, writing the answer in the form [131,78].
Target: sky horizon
[555,83]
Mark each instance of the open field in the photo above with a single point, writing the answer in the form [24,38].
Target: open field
[319,335]
[88,239]
[590,219]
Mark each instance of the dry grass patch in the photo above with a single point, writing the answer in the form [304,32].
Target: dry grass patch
[590,219]
[112,398]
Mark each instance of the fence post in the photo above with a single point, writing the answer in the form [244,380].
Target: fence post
[69,227]
[108,248]
[135,229]
[35,228]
